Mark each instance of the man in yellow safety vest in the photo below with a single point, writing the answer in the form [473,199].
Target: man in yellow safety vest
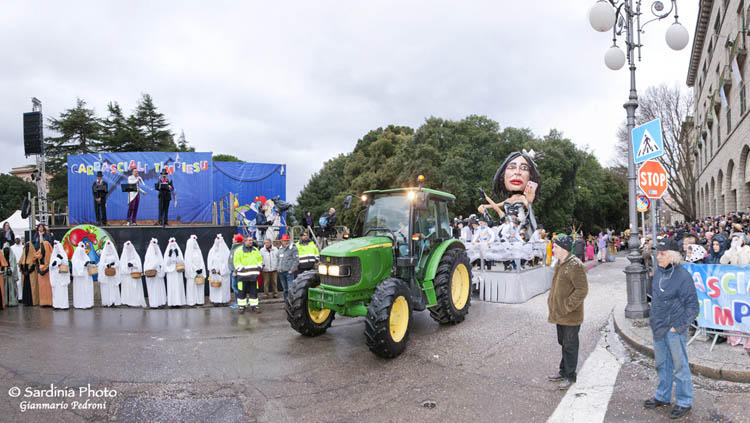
[308,253]
[248,263]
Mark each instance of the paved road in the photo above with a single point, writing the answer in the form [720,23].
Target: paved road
[210,363]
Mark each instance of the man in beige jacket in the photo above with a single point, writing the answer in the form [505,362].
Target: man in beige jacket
[565,303]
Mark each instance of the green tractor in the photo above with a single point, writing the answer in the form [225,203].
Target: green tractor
[406,259]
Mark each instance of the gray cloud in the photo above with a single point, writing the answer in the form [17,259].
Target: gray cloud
[299,83]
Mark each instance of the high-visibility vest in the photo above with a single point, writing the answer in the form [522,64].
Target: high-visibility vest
[308,254]
[247,263]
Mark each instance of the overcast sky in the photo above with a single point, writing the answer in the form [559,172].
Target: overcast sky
[300,82]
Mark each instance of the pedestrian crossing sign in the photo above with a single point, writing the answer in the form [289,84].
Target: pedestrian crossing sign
[647,141]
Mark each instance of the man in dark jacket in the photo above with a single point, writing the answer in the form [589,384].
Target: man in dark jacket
[565,303]
[330,222]
[99,190]
[674,305]
[579,248]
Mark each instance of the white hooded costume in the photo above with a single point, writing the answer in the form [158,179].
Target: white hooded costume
[218,271]
[194,267]
[83,283]
[157,294]
[175,280]
[109,285]
[59,281]
[132,289]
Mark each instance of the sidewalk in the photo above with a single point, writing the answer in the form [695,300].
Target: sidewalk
[725,362]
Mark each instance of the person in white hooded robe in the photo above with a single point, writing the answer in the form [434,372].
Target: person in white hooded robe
[83,283]
[59,278]
[132,288]
[154,261]
[194,268]
[175,279]
[218,272]
[109,285]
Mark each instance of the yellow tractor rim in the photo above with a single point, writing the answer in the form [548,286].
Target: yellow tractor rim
[318,316]
[399,319]
[460,285]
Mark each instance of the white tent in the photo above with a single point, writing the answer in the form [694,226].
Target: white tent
[18,224]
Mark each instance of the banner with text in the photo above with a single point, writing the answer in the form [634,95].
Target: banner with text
[723,294]
[191,173]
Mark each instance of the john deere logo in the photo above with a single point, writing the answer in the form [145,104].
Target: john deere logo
[328,259]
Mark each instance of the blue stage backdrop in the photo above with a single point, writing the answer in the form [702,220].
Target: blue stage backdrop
[249,180]
[191,172]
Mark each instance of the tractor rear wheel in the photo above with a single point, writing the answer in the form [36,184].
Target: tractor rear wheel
[304,320]
[388,318]
[452,287]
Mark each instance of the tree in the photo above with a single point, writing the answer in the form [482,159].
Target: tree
[118,135]
[80,133]
[182,144]
[672,106]
[12,191]
[225,158]
[153,130]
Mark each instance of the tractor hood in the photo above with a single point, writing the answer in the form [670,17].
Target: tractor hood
[353,247]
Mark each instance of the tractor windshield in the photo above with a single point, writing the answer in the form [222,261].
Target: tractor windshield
[388,214]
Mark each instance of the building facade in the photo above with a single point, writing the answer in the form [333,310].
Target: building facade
[718,74]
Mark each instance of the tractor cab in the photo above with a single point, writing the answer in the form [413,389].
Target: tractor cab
[414,219]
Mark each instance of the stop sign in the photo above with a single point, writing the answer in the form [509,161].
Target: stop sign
[652,178]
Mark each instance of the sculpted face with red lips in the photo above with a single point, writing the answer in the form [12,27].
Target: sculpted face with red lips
[517,174]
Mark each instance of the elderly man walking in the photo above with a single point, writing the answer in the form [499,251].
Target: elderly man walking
[565,303]
[674,305]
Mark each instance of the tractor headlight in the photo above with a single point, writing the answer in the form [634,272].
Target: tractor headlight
[322,269]
[335,270]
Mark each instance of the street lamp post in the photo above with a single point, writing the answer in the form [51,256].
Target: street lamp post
[623,17]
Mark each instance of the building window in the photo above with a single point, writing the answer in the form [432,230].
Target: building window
[729,120]
[743,103]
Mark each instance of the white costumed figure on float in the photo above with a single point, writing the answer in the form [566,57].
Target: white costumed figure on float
[109,278]
[153,268]
[218,272]
[83,283]
[59,277]
[195,273]
[131,271]
[174,268]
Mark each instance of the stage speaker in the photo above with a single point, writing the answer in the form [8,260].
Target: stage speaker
[33,142]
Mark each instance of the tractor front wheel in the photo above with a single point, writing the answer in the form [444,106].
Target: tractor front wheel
[452,287]
[388,318]
[304,320]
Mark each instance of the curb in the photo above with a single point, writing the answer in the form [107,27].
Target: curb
[697,366]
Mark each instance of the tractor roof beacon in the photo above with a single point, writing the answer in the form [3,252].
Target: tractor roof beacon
[406,260]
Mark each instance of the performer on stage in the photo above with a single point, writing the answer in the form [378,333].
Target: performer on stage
[59,277]
[165,188]
[134,197]
[99,189]
[153,267]
[130,279]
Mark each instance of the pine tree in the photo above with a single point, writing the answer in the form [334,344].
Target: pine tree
[182,144]
[152,126]
[117,134]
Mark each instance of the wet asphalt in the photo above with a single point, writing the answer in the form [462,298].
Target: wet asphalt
[210,363]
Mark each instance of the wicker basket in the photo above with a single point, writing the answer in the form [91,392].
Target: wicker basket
[151,273]
[200,280]
[93,271]
[64,268]
[180,267]
[110,271]
[215,284]
[136,275]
